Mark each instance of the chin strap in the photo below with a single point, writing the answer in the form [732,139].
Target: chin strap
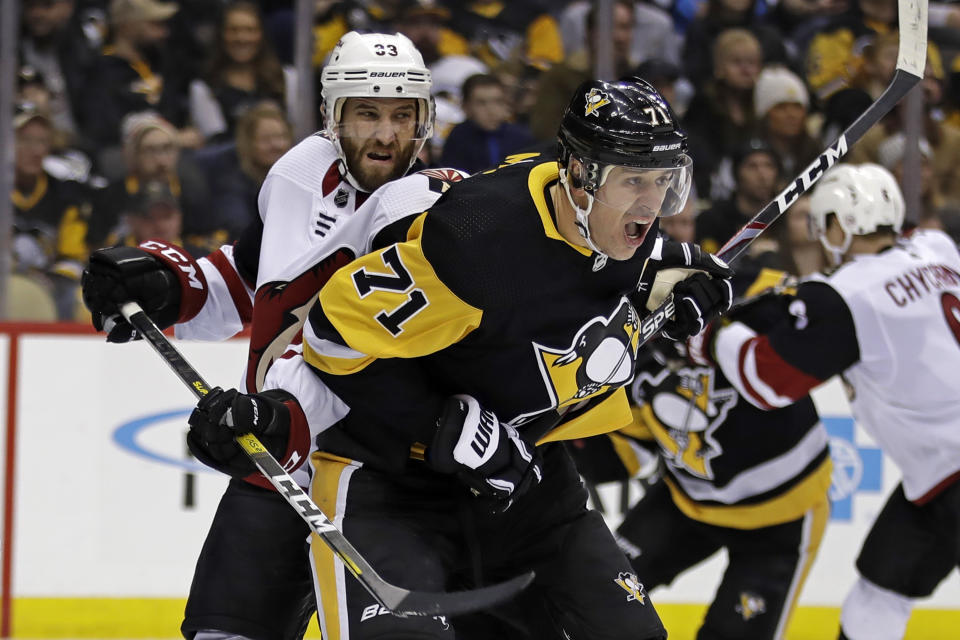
[837,253]
[583,221]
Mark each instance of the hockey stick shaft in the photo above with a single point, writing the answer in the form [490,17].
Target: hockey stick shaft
[396,599]
[911,60]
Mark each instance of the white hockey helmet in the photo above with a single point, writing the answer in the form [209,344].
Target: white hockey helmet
[376,65]
[862,198]
[890,206]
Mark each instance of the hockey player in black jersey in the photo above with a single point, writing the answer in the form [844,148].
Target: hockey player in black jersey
[486,316]
[734,477]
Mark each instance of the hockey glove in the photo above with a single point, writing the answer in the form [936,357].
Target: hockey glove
[166,282]
[697,300]
[490,458]
[678,261]
[221,416]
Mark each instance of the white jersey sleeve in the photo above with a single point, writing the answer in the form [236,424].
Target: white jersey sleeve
[229,302]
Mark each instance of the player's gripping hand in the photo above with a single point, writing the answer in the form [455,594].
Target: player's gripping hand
[122,274]
[697,300]
[677,261]
[221,416]
[167,283]
[490,458]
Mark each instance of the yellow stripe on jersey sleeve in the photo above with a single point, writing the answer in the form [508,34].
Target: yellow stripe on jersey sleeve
[765,280]
[392,304]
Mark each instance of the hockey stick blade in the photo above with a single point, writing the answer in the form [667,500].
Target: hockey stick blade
[911,61]
[399,601]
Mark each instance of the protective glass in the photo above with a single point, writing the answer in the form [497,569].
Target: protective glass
[631,189]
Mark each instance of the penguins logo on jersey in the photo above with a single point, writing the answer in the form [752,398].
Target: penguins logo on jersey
[682,410]
[601,356]
[629,583]
[594,100]
[750,605]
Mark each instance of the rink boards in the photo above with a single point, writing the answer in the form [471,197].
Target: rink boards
[105,513]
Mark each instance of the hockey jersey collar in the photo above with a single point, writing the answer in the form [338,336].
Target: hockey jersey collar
[539,180]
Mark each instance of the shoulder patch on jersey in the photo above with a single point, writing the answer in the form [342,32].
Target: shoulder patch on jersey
[445,174]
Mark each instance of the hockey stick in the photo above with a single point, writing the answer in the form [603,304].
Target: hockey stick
[397,600]
[911,60]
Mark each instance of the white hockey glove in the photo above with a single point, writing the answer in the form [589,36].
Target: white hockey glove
[490,458]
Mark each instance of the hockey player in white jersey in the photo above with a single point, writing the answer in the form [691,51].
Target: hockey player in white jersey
[888,320]
[318,211]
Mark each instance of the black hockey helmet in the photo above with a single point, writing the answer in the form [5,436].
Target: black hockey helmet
[627,124]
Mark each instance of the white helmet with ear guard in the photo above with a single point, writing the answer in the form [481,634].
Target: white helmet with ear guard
[375,65]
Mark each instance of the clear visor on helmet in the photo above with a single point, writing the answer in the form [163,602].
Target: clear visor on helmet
[660,192]
[386,121]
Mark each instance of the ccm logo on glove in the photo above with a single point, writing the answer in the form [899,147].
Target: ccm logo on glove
[182,262]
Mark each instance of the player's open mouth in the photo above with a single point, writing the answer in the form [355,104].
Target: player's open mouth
[636,232]
[380,157]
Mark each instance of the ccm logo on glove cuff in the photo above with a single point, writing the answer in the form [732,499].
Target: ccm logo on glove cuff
[193,283]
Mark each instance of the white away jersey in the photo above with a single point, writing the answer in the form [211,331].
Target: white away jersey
[905,304]
[890,323]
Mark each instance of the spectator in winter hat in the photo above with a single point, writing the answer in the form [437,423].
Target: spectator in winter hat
[780,101]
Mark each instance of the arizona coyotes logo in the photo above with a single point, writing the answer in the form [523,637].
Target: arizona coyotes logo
[682,410]
[595,99]
[601,356]
[279,311]
[629,583]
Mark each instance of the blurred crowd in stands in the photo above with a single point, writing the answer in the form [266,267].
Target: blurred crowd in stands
[140,119]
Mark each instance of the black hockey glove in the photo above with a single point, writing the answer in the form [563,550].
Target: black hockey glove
[490,458]
[676,261]
[221,415]
[697,300]
[123,274]
[167,283]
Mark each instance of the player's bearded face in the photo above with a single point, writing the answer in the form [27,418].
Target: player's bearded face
[378,138]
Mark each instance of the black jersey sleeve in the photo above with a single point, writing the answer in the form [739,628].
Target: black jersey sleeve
[814,339]
[246,251]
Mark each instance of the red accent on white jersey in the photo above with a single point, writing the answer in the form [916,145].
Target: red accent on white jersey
[442,173]
[313,223]
[767,380]
[239,292]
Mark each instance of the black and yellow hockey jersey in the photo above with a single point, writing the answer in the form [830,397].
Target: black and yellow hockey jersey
[484,297]
[55,214]
[727,462]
